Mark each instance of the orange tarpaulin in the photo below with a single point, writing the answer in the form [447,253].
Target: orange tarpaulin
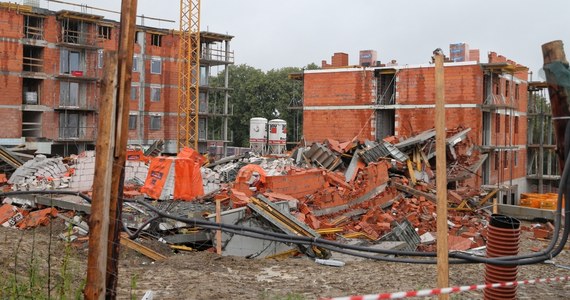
[137,155]
[192,154]
[187,176]
[156,178]
[187,179]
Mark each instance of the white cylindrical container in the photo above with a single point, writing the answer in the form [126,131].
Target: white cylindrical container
[257,130]
[277,132]
[258,135]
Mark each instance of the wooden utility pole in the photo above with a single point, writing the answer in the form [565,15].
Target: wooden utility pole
[124,75]
[441,176]
[99,219]
[110,154]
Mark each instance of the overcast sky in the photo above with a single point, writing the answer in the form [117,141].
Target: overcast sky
[276,33]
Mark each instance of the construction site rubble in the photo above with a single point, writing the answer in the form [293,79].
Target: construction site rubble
[381,194]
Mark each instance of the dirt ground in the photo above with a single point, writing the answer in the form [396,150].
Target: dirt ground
[203,275]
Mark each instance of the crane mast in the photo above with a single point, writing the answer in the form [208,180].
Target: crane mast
[189,74]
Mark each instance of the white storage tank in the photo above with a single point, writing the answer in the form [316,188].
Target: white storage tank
[277,136]
[258,134]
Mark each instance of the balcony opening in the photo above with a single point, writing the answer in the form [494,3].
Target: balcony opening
[71,62]
[72,94]
[33,59]
[203,103]
[33,28]
[31,89]
[32,124]
[386,87]
[75,32]
[72,125]
[104,32]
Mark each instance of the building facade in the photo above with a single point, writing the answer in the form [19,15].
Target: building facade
[50,70]
[375,102]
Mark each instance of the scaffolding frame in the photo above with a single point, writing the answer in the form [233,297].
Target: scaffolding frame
[542,163]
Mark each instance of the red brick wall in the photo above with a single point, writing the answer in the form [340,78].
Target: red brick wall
[11,120]
[342,125]
[338,89]
[463,84]
[11,29]
[10,56]
[12,24]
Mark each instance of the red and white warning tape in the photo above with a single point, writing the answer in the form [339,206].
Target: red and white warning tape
[449,290]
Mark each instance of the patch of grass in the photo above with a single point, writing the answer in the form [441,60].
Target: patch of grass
[289,296]
[134,278]
[28,276]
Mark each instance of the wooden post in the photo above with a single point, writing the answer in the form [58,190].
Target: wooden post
[441,177]
[219,232]
[99,219]
[124,75]
[495,207]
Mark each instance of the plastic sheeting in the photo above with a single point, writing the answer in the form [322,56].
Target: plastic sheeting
[157,175]
[187,176]
[187,179]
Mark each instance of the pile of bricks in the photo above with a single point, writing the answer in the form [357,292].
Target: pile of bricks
[358,198]
[84,166]
[15,217]
[40,173]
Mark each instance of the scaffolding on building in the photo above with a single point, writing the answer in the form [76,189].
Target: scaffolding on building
[542,162]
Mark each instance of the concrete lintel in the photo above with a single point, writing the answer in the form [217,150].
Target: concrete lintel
[525,213]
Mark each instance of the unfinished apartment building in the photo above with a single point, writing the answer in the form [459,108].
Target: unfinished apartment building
[50,73]
[373,101]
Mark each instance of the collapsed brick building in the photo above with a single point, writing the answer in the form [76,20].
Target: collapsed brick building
[382,100]
[50,72]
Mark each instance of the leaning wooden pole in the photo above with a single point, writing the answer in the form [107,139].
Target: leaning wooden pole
[441,176]
[124,75]
[555,63]
[99,220]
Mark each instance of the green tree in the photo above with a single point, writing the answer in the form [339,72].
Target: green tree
[255,93]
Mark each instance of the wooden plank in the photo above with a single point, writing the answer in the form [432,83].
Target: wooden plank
[218,232]
[487,197]
[125,241]
[441,176]
[411,171]
[409,190]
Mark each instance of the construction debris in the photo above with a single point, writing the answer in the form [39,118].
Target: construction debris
[375,192]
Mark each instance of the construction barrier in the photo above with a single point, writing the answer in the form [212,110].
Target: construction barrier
[449,290]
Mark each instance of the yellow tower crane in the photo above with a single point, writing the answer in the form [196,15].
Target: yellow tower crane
[189,74]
